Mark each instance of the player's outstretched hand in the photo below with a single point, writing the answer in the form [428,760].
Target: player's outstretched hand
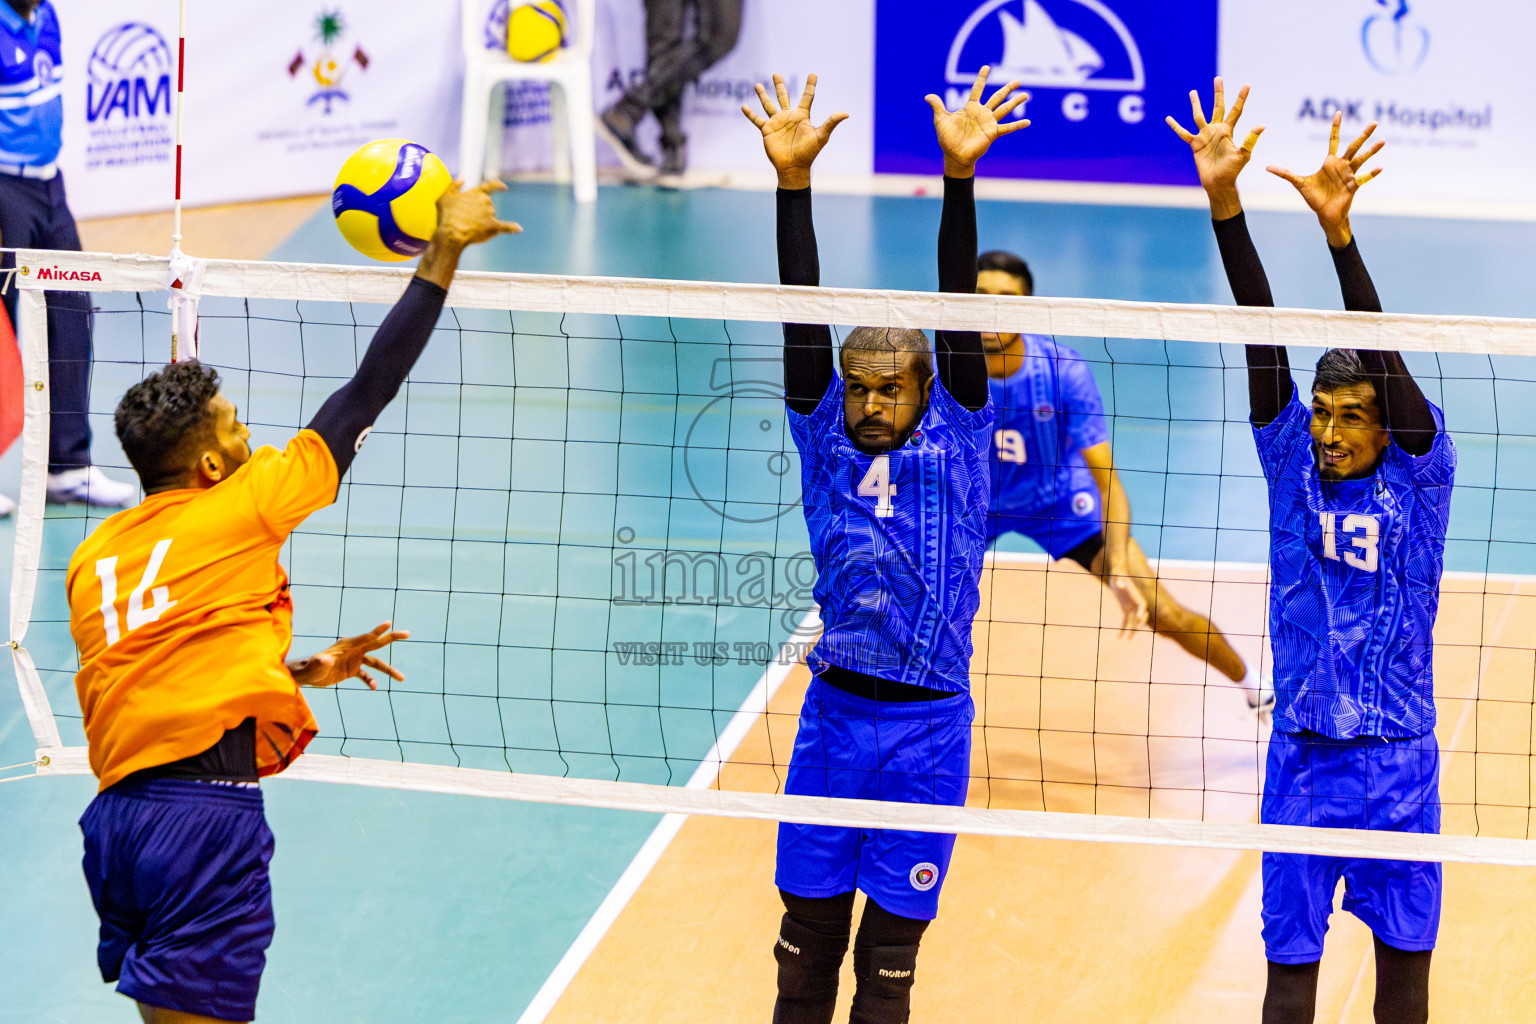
[467,216]
[1219,159]
[966,134]
[349,658]
[1331,191]
[791,139]
[1133,603]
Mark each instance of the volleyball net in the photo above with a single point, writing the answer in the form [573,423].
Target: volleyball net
[585,506]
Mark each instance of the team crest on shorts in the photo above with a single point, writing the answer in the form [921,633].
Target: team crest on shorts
[924,876]
[1044,411]
[1082,503]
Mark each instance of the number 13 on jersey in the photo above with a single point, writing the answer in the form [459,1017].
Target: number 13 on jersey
[877,484]
[1363,533]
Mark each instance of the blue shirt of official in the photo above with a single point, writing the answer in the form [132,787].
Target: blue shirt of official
[1355,571]
[31,100]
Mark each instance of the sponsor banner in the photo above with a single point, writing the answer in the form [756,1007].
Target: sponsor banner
[274,104]
[119,87]
[1447,79]
[1101,74]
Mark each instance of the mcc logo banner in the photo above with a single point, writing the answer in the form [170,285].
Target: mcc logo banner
[1102,75]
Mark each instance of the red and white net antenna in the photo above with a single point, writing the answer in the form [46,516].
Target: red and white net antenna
[186,274]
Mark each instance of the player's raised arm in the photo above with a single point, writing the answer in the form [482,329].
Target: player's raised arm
[792,142]
[1330,192]
[464,217]
[965,135]
[1219,159]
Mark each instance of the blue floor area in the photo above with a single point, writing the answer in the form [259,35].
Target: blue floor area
[590,461]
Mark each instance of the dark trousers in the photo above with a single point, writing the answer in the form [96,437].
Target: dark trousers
[34,215]
[674,58]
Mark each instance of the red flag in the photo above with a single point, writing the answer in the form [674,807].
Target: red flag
[12,385]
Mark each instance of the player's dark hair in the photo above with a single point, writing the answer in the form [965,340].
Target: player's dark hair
[1339,368]
[162,415]
[893,339]
[1008,263]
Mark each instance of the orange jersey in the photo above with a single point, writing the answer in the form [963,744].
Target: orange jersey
[183,619]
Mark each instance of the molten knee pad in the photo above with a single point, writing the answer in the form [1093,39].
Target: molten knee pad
[885,975]
[808,966]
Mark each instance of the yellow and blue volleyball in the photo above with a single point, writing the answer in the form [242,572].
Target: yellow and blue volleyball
[535,31]
[385,200]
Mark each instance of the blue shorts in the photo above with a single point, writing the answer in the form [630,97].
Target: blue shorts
[1074,520]
[178,874]
[1368,783]
[862,749]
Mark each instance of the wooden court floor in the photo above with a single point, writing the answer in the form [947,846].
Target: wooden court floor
[1073,717]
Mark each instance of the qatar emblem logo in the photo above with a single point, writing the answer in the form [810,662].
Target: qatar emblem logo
[924,876]
[1394,43]
[328,65]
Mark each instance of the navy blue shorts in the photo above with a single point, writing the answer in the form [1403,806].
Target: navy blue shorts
[1368,783]
[861,749]
[1072,522]
[178,874]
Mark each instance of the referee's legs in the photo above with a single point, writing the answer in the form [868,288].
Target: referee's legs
[69,348]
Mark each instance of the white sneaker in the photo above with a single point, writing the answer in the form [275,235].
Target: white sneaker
[7,506]
[1261,700]
[90,486]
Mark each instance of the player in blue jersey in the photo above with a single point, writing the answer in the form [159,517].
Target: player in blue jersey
[1360,485]
[1054,479]
[894,472]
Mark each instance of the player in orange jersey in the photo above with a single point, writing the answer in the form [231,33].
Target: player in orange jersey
[183,619]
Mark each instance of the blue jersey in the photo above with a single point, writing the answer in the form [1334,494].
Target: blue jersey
[898,540]
[31,104]
[1047,413]
[1354,583]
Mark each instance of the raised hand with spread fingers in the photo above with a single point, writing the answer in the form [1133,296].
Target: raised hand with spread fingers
[1330,191]
[1219,158]
[790,138]
[966,134]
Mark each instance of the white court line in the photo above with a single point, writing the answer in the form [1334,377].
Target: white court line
[666,830]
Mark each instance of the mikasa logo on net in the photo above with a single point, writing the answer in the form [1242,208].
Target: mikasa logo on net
[62,274]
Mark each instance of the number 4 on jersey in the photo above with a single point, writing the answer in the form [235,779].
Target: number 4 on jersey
[138,615]
[877,484]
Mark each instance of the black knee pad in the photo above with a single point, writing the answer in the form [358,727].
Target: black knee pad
[885,976]
[809,961]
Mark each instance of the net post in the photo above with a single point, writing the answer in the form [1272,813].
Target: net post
[32,336]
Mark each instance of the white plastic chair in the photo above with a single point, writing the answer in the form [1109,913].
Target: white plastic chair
[569,74]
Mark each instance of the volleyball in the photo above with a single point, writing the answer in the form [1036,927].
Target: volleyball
[535,31]
[385,200]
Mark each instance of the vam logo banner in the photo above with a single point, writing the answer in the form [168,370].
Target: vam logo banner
[1102,74]
[128,98]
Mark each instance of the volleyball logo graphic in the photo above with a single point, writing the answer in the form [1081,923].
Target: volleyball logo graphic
[385,200]
[1082,503]
[924,876]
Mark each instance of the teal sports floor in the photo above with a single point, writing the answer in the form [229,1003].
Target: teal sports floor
[400,907]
